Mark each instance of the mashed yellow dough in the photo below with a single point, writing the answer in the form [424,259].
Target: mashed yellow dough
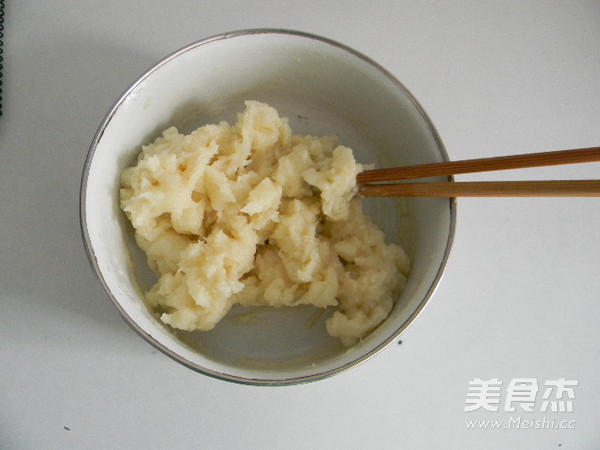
[253,215]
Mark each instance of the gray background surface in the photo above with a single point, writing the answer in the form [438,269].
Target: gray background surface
[519,297]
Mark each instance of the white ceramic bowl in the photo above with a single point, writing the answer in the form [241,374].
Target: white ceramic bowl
[324,88]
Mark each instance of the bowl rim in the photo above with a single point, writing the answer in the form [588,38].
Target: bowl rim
[91,256]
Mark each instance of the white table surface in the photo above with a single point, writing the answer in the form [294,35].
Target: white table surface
[519,299]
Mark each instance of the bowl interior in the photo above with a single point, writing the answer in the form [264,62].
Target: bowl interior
[324,89]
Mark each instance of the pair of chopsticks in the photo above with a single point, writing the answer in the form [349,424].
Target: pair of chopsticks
[551,188]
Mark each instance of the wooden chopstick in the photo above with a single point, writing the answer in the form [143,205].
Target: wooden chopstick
[579,155]
[556,188]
